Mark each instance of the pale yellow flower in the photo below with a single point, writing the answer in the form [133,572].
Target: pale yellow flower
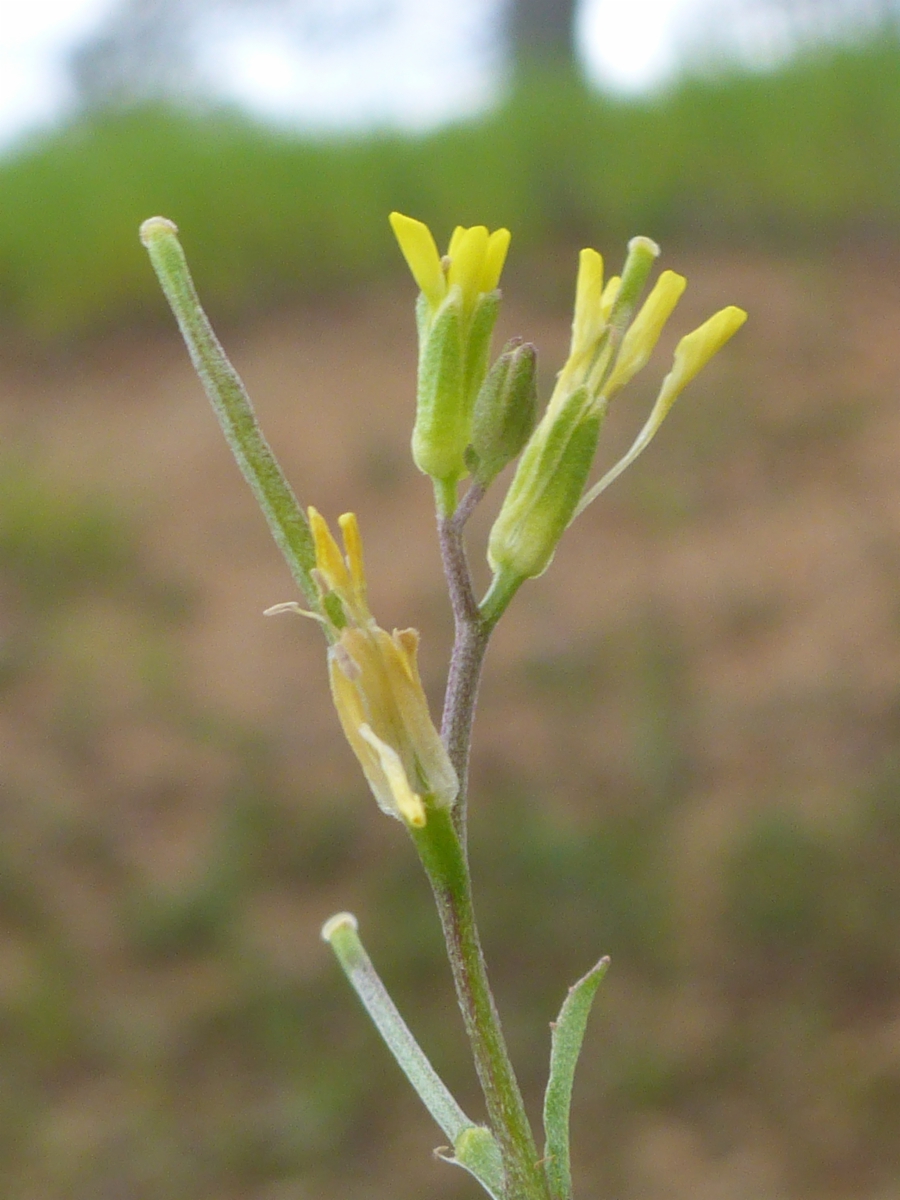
[376,687]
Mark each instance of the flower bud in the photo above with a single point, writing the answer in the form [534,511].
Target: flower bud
[453,358]
[546,487]
[505,412]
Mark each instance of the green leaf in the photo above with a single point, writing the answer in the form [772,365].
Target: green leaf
[475,1147]
[341,934]
[565,1047]
[232,406]
[477,1152]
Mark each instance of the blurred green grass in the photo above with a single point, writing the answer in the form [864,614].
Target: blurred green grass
[804,153]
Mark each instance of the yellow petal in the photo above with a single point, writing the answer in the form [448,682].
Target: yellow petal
[455,238]
[329,559]
[421,254]
[353,547]
[408,803]
[494,258]
[608,298]
[467,262]
[587,321]
[695,350]
[645,330]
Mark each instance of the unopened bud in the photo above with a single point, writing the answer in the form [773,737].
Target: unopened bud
[505,412]
[547,486]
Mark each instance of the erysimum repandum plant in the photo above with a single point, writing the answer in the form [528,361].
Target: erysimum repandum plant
[473,418]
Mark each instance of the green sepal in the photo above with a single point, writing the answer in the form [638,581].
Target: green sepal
[477,1152]
[505,412]
[441,431]
[334,610]
[642,253]
[547,486]
[423,318]
[565,1047]
[231,404]
[477,345]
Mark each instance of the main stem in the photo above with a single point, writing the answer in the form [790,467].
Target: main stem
[471,635]
[444,860]
[442,847]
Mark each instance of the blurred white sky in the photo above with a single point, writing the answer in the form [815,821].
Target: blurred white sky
[415,71]
[628,45]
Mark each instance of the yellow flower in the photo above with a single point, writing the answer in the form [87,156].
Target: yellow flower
[612,339]
[456,313]
[601,316]
[376,687]
[473,262]
[692,354]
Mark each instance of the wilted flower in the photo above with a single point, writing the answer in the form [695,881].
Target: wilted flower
[376,687]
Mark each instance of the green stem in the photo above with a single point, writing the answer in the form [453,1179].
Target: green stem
[445,497]
[442,856]
[232,406]
[496,600]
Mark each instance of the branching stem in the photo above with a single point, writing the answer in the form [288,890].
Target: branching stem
[442,848]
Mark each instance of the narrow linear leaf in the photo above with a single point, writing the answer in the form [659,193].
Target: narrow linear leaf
[232,406]
[565,1047]
[475,1148]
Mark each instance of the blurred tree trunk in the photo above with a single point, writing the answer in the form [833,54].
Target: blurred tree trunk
[541,33]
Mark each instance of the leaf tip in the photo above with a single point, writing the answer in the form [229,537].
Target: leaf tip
[156,227]
[341,920]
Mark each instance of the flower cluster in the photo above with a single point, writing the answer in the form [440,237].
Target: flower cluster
[612,339]
[474,419]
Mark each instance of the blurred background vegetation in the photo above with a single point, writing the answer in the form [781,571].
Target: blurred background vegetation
[690,749]
[803,155]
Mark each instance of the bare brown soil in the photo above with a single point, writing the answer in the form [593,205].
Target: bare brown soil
[718,639]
